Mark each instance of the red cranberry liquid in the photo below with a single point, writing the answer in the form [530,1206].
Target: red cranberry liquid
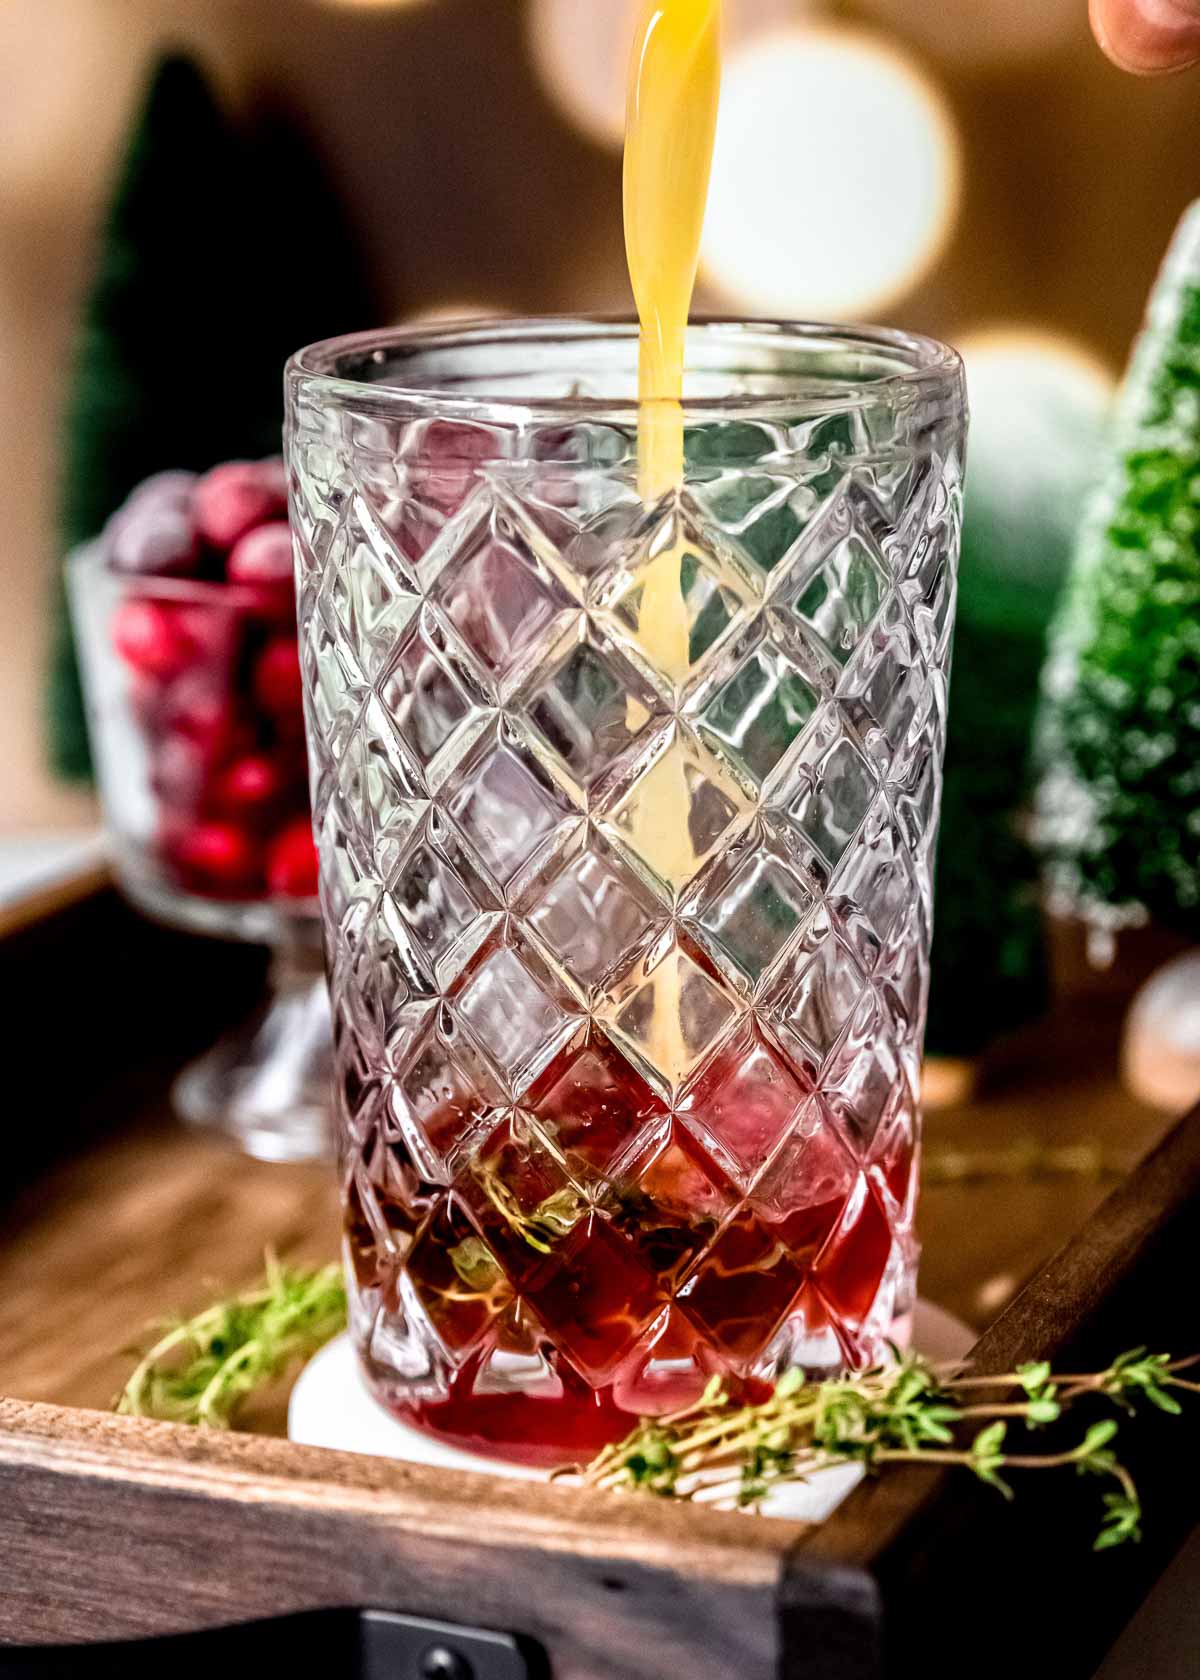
[597,1258]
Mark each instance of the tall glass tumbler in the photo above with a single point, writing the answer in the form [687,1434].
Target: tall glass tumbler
[628,952]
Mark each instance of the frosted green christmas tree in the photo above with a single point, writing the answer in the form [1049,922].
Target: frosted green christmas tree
[1119,738]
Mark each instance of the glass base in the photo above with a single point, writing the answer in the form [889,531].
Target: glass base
[267,1085]
[535,1409]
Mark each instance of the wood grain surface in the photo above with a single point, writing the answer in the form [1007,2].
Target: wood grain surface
[223,1528]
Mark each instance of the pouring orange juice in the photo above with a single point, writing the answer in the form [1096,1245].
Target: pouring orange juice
[671,119]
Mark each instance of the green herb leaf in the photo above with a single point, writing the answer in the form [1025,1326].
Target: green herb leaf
[1122,1520]
[473,1262]
[911,1411]
[202,1369]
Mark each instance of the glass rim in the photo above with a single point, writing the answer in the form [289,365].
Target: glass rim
[924,367]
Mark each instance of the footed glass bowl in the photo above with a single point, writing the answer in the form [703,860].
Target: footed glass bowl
[194,706]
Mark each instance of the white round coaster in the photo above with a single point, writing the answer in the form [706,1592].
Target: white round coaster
[331,1406]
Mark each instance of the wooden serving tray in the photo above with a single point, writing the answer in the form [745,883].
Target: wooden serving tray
[112,1529]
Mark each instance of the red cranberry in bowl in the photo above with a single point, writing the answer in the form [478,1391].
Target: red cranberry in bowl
[278,684]
[179,769]
[200,707]
[149,637]
[214,628]
[262,556]
[218,857]
[292,861]
[250,784]
[158,540]
[200,614]
[164,489]
[234,498]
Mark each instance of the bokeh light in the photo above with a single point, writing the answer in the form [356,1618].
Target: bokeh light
[581,50]
[53,55]
[1003,361]
[1028,388]
[836,176]
[454,309]
[1039,402]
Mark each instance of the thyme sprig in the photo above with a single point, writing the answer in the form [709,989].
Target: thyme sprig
[201,1369]
[552,1219]
[910,1412]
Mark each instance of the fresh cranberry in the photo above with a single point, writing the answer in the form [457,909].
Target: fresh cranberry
[219,855]
[212,630]
[263,555]
[178,774]
[292,861]
[157,540]
[274,474]
[149,637]
[234,498]
[249,783]
[173,488]
[200,707]
[277,681]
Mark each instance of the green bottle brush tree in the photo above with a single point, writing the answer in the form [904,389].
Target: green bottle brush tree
[1119,735]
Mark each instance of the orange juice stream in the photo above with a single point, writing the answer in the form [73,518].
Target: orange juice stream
[671,120]
[670,124]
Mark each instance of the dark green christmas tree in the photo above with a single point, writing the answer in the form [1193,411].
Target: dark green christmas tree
[1119,739]
[223,251]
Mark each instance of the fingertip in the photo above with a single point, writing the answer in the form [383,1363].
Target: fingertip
[1148,37]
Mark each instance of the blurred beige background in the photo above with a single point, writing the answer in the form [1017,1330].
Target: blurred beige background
[474,189]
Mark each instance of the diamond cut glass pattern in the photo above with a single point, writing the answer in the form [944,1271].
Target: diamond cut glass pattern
[844,596]
[708,804]
[502,803]
[753,902]
[698,1009]
[593,1107]
[497,594]
[759,711]
[833,801]
[590,912]
[590,709]
[440,1093]
[628,934]
[715,590]
[515,1011]
[424,689]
